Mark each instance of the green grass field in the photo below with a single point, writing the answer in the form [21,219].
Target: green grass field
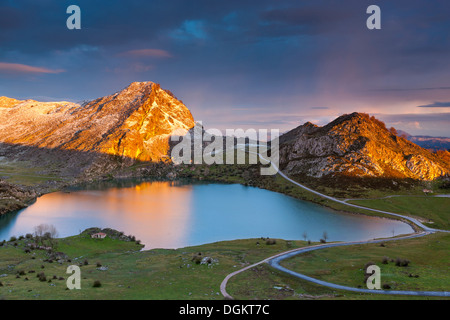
[25,173]
[171,274]
[429,259]
[344,265]
[435,211]
[131,274]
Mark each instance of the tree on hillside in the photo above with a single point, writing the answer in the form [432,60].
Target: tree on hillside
[393,131]
[325,236]
[46,235]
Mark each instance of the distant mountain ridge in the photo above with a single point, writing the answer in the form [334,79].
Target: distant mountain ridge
[356,145]
[427,142]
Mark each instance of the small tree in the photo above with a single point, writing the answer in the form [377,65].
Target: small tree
[305,235]
[393,131]
[46,233]
[325,236]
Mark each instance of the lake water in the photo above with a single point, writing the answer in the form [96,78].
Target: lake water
[176,214]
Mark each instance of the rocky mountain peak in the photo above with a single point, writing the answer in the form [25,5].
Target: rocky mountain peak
[359,145]
[134,124]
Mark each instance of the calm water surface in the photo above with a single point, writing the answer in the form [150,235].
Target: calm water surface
[178,214]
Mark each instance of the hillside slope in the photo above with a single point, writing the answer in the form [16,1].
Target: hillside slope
[356,145]
[132,124]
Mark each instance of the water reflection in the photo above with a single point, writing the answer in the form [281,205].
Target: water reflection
[176,214]
[155,212]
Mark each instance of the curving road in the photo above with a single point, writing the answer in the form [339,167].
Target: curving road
[275,260]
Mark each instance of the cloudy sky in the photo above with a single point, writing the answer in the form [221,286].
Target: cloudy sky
[239,64]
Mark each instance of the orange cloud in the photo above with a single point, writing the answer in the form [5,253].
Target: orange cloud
[6,67]
[158,53]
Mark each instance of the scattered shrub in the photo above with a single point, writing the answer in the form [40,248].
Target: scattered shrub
[393,131]
[21,237]
[12,239]
[323,241]
[367,265]
[197,259]
[42,277]
[378,122]
[385,286]
[402,262]
[271,241]
[86,262]
[99,264]
[29,236]
[97,284]
[385,260]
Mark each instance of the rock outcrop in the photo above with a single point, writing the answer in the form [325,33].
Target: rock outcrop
[13,197]
[133,124]
[356,145]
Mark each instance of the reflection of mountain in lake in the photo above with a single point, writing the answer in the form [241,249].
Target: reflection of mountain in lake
[176,214]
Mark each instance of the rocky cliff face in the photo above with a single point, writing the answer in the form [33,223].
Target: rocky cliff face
[356,145]
[133,124]
[13,197]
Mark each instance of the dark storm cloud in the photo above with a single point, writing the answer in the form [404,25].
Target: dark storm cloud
[10,18]
[281,56]
[307,19]
[436,105]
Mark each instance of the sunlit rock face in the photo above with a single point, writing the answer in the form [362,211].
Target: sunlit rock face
[357,145]
[133,124]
